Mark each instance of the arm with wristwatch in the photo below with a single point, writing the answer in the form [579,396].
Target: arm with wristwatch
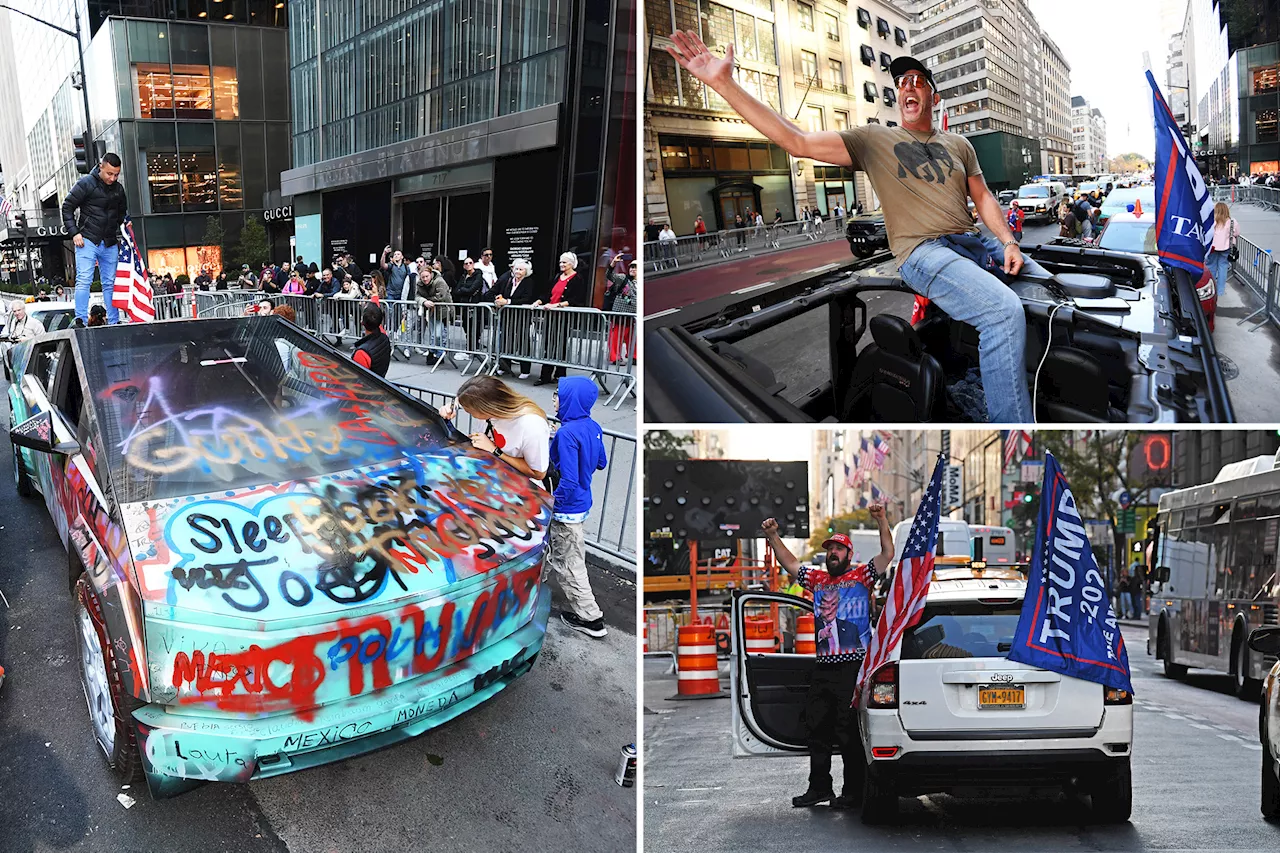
[483,443]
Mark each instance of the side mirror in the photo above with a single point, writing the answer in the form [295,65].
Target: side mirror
[36,433]
[1265,640]
[1162,574]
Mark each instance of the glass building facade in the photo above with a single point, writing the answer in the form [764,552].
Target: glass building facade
[445,127]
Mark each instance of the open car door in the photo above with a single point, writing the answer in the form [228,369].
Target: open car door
[768,679]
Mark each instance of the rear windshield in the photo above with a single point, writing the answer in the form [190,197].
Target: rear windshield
[1034,192]
[190,407]
[967,629]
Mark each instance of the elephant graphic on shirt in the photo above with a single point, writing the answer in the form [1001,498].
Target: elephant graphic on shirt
[925,161]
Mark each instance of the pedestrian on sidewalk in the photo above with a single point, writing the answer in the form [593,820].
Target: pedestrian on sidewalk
[516,288]
[1225,233]
[621,296]
[1138,589]
[373,351]
[738,225]
[700,229]
[100,200]
[569,290]
[396,270]
[468,291]
[1016,218]
[516,428]
[842,625]
[432,288]
[667,242]
[577,453]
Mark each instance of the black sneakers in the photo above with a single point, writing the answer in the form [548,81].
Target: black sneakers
[812,798]
[594,628]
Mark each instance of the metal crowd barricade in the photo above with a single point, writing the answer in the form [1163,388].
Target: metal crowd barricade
[578,338]
[1260,273]
[610,528]
[207,300]
[173,306]
[661,257]
[463,334]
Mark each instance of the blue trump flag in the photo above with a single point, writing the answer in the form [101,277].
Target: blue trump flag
[1184,205]
[1067,624]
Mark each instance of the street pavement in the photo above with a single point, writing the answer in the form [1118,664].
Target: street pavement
[535,762]
[1195,776]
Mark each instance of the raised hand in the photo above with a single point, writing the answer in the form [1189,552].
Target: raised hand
[694,57]
[769,526]
[876,511]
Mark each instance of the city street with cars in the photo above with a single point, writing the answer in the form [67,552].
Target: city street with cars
[1195,783]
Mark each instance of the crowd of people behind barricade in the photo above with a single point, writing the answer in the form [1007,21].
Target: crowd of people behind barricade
[433,288]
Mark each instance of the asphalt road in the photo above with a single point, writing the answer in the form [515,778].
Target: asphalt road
[1195,777]
[536,762]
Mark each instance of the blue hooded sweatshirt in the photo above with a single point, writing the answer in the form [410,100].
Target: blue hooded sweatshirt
[578,447]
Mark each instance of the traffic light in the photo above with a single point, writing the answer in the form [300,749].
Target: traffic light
[81,145]
[1028,498]
[20,221]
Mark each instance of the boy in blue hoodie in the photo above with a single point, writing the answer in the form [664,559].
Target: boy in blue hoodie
[577,452]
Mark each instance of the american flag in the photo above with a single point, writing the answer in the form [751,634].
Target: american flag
[1017,442]
[866,458]
[132,292]
[881,448]
[6,205]
[906,597]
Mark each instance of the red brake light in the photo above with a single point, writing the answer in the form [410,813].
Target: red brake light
[884,751]
[884,687]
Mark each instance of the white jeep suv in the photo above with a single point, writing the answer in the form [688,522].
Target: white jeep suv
[954,715]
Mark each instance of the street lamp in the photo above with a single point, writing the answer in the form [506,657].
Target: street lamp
[75,34]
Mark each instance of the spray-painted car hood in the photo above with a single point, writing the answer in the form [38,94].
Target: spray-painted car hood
[287,596]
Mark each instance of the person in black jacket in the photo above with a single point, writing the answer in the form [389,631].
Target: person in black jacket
[468,291]
[373,351]
[103,209]
[518,289]
[569,290]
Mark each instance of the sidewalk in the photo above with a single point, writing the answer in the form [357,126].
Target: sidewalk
[1248,352]
[447,379]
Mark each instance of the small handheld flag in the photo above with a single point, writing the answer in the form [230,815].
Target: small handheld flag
[132,292]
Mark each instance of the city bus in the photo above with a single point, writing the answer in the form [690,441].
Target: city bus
[1213,550]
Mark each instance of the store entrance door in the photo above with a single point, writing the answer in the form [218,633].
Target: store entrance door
[446,225]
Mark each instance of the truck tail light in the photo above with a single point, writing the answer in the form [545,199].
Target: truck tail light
[884,687]
[1116,696]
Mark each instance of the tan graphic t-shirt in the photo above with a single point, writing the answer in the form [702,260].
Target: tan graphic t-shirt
[922,181]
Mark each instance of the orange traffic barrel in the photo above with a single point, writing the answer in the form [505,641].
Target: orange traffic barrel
[806,640]
[759,631]
[699,677]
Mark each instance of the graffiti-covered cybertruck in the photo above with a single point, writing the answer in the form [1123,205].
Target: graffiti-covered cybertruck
[276,558]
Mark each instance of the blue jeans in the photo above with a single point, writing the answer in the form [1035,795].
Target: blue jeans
[105,255]
[970,295]
[1218,266]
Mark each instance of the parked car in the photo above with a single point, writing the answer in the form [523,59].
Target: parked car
[276,558]
[1128,232]
[954,713]
[1266,642]
[1006,196]
[1121,197]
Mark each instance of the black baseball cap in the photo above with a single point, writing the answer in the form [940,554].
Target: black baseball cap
[903,64]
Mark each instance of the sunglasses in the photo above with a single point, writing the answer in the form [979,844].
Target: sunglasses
[913,80]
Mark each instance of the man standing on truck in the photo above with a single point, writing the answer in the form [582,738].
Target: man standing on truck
[842,626]
[924,177]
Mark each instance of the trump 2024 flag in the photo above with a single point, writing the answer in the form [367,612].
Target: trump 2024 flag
[1184,205]
[132,293]
[1067,624]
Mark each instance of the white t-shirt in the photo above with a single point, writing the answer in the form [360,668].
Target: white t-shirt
[489,273]
[527,437]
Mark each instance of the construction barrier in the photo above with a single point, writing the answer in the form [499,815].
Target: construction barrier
[698,674]
[806,639]
[759,634]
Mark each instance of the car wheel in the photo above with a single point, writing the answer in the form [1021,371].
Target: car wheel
[21,480]
[1171,669]
[879,799]
[1246,688]
[110,707]
[1270,783]
[1113,796]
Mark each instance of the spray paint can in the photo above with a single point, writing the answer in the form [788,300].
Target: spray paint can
[626,775]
